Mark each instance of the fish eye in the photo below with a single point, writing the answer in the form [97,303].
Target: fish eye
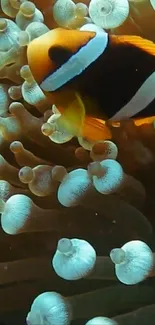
[59,54]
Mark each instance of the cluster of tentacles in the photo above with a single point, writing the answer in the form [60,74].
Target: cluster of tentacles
[55,190]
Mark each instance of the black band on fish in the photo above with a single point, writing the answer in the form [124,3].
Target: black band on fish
[77,63]
[143,97]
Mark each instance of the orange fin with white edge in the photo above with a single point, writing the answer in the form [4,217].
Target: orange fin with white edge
[138,121]
[145,120]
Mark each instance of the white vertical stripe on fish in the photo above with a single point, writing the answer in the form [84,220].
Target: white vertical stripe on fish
[143,97]
[77,63]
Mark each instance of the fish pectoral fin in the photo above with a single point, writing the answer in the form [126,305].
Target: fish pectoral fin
[74,120]
[73,117]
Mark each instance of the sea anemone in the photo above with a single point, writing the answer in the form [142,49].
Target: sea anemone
[66,201]
[134,261]
[70,262]
[108,13]
[101,321]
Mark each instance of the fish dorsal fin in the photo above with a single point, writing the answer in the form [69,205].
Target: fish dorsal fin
[142,43]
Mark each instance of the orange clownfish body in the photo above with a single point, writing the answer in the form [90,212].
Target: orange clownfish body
[114,73]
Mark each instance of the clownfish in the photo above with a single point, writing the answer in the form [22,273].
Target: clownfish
[113,75]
